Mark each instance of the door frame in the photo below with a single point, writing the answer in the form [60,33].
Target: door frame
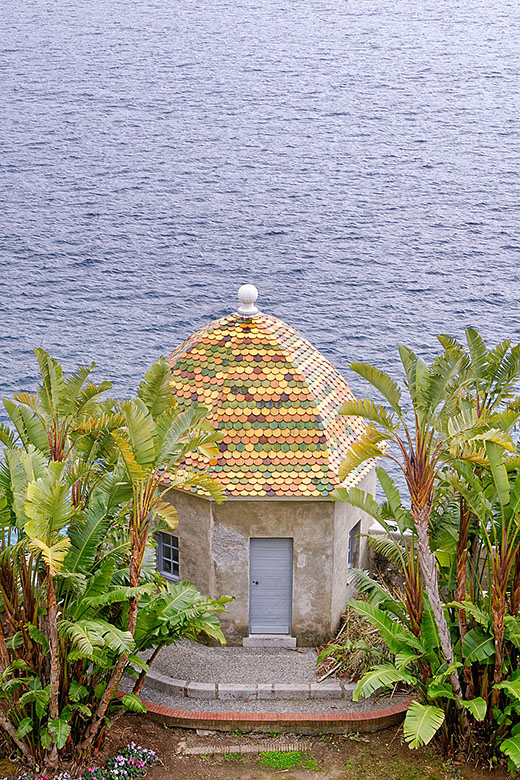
[291,538]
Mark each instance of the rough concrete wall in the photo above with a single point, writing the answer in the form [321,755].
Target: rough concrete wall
[345,518]
[193,532]
[310,524]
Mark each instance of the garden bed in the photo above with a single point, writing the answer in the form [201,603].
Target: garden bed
[369,757]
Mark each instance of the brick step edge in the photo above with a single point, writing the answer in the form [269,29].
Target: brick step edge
[334,689]
[284,722]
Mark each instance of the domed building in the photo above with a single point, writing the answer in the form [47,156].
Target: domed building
[279,543]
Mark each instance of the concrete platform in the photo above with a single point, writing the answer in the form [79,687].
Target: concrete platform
[242,665]
[269,640]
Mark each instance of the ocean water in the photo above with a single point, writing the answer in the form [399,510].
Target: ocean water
[357,161]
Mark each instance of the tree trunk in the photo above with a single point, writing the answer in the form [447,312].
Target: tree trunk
[54,676]
[461,559]
[431,586]
[498,608]
[140,680]
[112,684]
[515,590]
[8,727]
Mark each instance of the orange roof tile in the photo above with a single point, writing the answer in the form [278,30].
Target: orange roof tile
[275,398]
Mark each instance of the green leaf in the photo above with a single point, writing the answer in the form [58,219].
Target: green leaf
[478,645]
[37,636]
[381,676]
[404,658]
[443,369]
[86,535]
[83,709]
[7,436]
[477,707]
[514,499]
[327,651]
[382,382]
[511,747]
[397,637]
[155,390]
[76,691]
[24,728]
[360,499]
[60,730]
[40,699]
[472,609]
[45,739]
[422,723]
[422,380]
[133,703]
[365,448]
[136,473]
[409,361]
[368,410]
[499,471]
[512,630]
[440,690]
[511,687]
[478,352]
[140,427]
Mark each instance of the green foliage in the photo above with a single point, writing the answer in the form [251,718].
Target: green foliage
[422,723]
[80,499]
[454,630]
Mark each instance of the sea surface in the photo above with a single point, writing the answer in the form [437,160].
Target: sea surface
[357,160]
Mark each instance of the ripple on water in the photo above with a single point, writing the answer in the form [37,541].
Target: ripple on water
[357,162]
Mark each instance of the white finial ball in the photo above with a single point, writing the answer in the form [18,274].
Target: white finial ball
[247,293]
[247,296]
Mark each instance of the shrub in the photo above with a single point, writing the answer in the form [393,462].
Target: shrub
[455,632]
[355,649]
[81,494]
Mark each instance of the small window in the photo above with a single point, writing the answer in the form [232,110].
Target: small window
[353,545]
[168,556]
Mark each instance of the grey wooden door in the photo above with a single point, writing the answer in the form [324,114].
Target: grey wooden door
[270,586]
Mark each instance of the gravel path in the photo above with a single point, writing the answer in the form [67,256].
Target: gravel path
[190,661]
[308,705]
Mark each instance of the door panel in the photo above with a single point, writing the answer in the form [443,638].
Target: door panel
[270,586]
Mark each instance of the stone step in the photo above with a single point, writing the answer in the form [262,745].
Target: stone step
[269,640]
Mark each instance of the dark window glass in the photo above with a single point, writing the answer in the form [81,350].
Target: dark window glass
[168,556]
[353,545]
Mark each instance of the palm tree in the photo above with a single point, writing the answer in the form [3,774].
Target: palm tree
[80,491]
[441,430]
[156,437]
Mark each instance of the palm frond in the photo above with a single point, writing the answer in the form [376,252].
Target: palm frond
[381,676]
[368,410]
[140,428]
[421,724]
[155,390]
[365,448]
[382,382]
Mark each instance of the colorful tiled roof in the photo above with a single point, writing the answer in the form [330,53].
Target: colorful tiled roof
[276,399]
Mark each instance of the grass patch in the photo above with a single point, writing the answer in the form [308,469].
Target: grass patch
[276,759]
[233,757]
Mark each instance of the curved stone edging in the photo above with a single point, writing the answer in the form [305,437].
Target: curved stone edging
[334,689]
[300,722]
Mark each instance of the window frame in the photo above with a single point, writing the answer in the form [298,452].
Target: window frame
[174,546]
[354,546]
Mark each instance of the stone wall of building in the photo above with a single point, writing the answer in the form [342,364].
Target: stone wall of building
[311,525]
[345,519]
[193,531]
[214,543]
